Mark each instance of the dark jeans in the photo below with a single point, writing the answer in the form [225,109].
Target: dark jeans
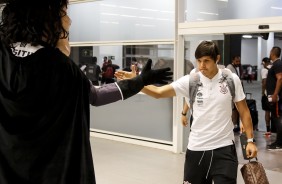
[219,165]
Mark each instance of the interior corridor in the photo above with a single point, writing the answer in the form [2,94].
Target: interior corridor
[122,163]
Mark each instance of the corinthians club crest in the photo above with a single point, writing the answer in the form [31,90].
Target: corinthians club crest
[223,88]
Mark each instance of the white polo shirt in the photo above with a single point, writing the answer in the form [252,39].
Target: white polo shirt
[212,125]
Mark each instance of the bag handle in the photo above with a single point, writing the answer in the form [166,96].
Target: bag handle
[253,158]
[250,96]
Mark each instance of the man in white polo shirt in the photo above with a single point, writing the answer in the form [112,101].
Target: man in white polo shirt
[211,153]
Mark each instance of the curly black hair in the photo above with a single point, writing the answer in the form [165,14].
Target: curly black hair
[33,21]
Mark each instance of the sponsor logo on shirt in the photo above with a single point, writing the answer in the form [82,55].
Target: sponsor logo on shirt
[199,98]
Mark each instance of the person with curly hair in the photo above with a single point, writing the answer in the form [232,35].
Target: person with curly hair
[45,98]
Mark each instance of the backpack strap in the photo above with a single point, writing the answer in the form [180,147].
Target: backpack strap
[227,76]
[194,83]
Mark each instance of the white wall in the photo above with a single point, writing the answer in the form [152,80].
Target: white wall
[249,51]
[277,43]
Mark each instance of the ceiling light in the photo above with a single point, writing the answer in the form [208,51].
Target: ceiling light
[127,7]
[276,8]
[209,13]
[247,36]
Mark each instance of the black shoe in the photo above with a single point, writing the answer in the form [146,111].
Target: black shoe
[274,147]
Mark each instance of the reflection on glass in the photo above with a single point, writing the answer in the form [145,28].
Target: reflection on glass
[112,20]
[124,56]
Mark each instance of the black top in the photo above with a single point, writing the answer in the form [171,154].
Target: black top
[44,120]
[271,77]
[44,117]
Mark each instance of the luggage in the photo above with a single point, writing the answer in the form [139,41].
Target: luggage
[254,173]
[253,109]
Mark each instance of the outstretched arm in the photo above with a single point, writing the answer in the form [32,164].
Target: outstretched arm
[126,88]
[165,91]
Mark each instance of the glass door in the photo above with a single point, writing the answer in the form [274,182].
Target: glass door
[234,37]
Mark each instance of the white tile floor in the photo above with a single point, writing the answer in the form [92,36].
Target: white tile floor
[121,163]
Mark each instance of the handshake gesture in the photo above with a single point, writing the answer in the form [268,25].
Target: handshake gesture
[149,76]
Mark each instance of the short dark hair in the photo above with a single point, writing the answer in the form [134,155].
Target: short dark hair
[94,59]
[266,60]
[29,21]
[235,56]
[276,51]
[207,48]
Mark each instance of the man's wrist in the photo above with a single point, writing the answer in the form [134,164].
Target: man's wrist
[183,114]
[252,140]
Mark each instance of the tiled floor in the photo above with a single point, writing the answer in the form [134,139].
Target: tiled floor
[121,163]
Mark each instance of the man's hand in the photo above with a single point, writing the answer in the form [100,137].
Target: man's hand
[121,75]
[184,120]
[251,150]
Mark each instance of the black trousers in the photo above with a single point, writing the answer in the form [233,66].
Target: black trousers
[276,120]
[218,165]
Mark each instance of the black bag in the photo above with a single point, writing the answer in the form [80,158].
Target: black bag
[253,109]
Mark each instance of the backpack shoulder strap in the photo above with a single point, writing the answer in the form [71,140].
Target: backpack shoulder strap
[194,83]
[227,76]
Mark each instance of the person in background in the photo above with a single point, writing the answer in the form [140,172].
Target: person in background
[109,72]
[211,153]
[273,89]
[264,100]
[235,68]
[45,98]
[133,63]
[105,63]
[93,71]
[250,74]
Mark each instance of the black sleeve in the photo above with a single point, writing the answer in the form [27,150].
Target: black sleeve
[105,94]
[131,87]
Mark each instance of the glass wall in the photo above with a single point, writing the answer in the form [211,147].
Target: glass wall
[203,10]
[112,20]
[162,55]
